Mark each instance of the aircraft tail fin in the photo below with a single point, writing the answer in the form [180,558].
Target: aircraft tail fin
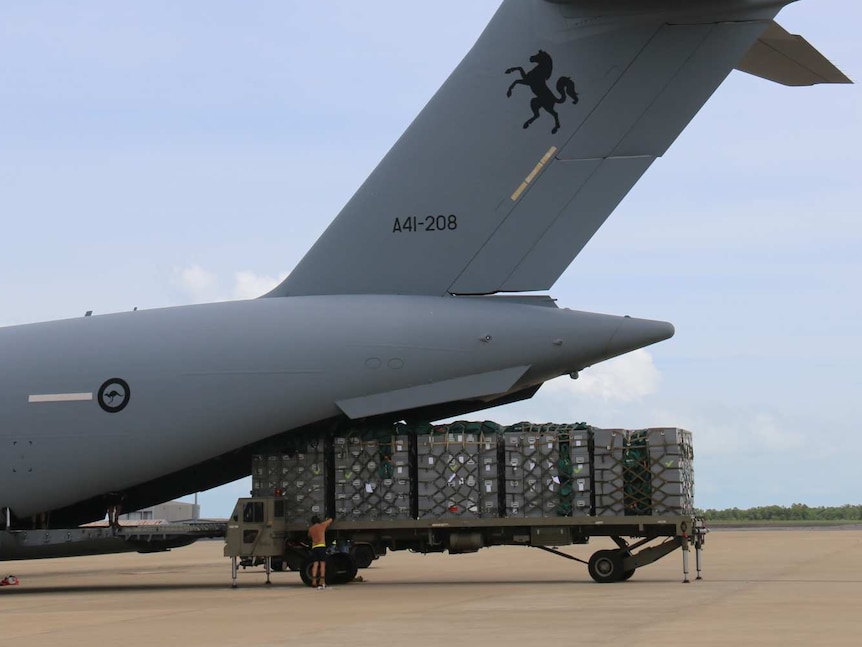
[789,59]
[531,143]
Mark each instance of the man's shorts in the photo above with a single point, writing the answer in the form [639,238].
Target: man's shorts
[318,554]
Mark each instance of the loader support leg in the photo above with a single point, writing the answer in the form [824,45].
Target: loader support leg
[233,572]
[268,567]
[685,560]
[698,556]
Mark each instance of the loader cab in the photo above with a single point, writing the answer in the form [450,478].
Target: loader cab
[256,528]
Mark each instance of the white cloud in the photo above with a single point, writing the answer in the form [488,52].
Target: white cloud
[741,430]
[627,378]
[200,284]
[616,393]
[248,285]
[203,286]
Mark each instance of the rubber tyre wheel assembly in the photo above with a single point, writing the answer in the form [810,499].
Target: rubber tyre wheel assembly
[295,559]
[363,555]
[340,569]
[606,566]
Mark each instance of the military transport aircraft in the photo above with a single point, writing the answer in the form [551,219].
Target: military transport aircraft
[407,307]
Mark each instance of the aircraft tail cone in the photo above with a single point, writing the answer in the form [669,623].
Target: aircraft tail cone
[632,334]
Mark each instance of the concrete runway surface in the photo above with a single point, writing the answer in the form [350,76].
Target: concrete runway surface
[761,587]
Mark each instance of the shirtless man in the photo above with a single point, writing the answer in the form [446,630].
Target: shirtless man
[317,533]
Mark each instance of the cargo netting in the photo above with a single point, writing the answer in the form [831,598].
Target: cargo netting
[372,477]
[481,470]
[457,472]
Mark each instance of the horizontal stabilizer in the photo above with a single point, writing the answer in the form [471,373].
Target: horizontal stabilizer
[459,388]
[789,59]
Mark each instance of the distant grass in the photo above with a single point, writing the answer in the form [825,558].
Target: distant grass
[777,523]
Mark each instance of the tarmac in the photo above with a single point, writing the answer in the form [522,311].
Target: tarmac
[760,587]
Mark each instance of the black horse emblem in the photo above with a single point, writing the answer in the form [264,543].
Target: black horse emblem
[537,80]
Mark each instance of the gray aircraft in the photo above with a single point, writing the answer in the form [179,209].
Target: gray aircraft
[405,308]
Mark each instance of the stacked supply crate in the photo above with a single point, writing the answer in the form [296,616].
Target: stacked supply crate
[457,472]
[478,470]
[609,447]
[265,476]
[637,477]
[671,465]
[297,475]
[643,472]
[270,474]
[372,477]
[546,473]
[303,482]
[581,479]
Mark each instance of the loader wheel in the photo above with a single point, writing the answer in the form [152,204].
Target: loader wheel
[295,558]
[305,573]
[340,569]
[363,555]
[627,575]
[606,566]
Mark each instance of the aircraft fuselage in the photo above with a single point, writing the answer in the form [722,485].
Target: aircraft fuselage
[95,405]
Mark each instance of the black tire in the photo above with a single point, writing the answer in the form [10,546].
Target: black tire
[305,573]
[340,569]
[295,558]
[278,564]
[363,555]
[627,575]
[606,566]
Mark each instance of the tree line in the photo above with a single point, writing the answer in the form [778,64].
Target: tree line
[795,512]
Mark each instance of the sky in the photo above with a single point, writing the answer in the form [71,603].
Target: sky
[161,153]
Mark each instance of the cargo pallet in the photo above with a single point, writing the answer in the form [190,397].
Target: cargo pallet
[258,532]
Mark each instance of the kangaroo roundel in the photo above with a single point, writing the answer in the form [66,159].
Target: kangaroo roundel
[114,395]
[537,80]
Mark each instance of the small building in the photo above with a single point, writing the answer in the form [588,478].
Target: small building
[170,511]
